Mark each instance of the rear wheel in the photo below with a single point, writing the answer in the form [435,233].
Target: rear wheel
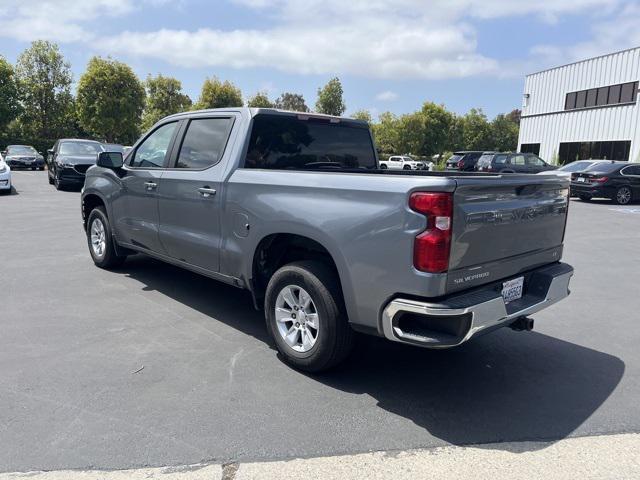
[100,240]
[305,316]
[623,195]
[585,198]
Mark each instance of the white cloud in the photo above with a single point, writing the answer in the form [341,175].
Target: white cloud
[371,38]
[387,96]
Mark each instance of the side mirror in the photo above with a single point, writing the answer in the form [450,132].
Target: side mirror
[50,151]
[111,160]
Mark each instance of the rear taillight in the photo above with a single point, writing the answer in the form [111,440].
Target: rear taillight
[432,246]
[599,179]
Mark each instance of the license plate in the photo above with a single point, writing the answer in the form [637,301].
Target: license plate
[581,179]
[512,289]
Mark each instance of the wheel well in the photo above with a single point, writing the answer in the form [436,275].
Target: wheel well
[90,202]
[279,249]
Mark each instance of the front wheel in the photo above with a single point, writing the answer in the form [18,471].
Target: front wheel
[406,167]
[100,240]
[383,167]
[623,195]
[305,316]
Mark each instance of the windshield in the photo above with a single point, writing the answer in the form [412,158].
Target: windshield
[604,167]
[21,150]
[291,143]
[575,166]
[80,148]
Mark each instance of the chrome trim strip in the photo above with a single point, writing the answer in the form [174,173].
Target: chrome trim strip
[484,315]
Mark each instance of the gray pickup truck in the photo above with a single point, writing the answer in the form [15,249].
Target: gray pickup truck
[294,208]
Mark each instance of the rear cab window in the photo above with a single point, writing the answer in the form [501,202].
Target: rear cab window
[303,142]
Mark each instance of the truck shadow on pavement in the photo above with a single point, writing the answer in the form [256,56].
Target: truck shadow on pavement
[503,387]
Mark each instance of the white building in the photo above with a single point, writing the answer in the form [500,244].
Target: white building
[587,109]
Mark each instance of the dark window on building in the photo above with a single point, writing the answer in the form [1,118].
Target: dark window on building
[603,95]
[614,94]
[204,142]
[530,148]
[570,103]
[615,150]
[291,143]
[628,92]
[599,97]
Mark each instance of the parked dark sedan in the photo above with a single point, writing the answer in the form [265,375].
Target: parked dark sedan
[23,156]
[618,181]
[512,163]
[69,159]
[463,160]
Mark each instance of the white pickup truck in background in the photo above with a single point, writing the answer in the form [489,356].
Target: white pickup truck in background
[404,162]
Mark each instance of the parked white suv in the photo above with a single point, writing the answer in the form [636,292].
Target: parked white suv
[404,162]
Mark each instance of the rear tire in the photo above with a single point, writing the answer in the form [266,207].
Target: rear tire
[623,196]
[584,198]
[317,315]
[406,167]
[100,240]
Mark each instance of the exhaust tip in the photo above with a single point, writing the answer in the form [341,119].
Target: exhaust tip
[522,324]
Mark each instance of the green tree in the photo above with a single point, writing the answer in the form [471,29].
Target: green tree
[476,131]
[218,94]
[9,101]
[385,133]
[411,134]
[330,99]
[44,79]
[514,115]
[260,100]
[363,115]
[163,97]
[291,101]
[110,100]
[505,134]
[436,127]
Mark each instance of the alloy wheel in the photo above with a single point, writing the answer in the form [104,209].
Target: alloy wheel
[98,237]
[297,318]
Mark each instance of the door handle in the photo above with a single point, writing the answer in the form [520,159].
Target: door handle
[150,185]
[207,192]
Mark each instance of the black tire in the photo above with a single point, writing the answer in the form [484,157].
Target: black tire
[334,339]
[109,257]
[406,167]
[60,186]
[49,177]
[624,195]
[584,198]
[41,168]
[383,167]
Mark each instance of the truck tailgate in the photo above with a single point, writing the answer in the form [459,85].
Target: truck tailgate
[505,225]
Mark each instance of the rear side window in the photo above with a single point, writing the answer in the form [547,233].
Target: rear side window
[204,142]
[152,151]
[485,160]
[289,143]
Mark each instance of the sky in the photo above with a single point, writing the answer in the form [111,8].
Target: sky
[391,55]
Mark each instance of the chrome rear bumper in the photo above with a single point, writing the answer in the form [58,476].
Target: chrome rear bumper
[455,320]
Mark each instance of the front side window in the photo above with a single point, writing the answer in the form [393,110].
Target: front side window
[293,143]
[152,151]
[204,142]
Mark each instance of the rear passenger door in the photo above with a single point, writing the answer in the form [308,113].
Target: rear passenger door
[192,191]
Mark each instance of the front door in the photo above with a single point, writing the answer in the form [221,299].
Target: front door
[136,210]
[191,193]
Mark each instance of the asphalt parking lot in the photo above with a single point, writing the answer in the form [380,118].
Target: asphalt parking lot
[151,365]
